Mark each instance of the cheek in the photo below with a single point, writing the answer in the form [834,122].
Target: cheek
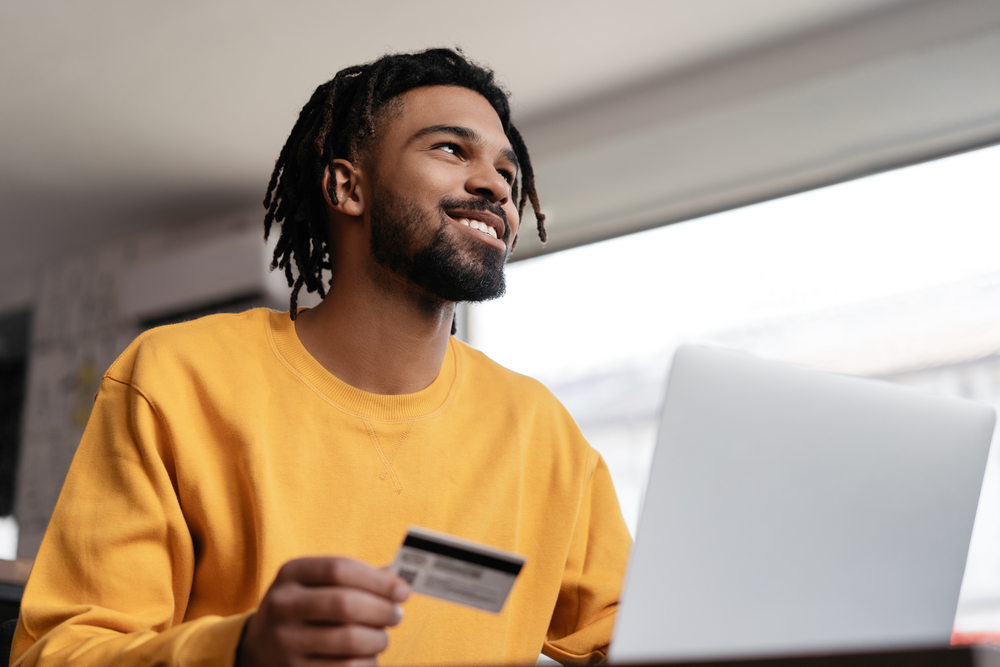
[418,180]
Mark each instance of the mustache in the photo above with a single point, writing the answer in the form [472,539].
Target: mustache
[478,204]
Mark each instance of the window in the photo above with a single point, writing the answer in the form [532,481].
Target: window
[895,275]
[14,335]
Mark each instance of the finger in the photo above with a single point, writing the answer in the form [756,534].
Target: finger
[341,662]
[336,571]
[341,604]
[339,642]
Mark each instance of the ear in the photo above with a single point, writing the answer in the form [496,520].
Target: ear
[343,189]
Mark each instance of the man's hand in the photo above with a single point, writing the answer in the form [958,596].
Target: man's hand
[323,611]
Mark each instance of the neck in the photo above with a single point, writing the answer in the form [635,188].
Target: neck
[380,336]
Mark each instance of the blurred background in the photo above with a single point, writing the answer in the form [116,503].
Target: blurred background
[809,180]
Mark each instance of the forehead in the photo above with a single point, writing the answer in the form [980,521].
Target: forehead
[429,106]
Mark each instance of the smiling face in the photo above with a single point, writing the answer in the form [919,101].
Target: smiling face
[441,212]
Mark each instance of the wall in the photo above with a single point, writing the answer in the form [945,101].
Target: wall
[76,335]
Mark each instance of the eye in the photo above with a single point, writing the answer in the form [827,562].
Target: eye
[450,148]
[507,175]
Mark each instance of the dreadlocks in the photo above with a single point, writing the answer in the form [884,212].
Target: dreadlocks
[339,121]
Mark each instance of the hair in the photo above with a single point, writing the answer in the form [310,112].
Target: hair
[341,120]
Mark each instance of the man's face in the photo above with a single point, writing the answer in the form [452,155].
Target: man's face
[442,174]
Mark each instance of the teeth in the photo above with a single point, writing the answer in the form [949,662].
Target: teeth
[480,226]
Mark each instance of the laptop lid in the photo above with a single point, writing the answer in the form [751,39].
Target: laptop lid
[791,511]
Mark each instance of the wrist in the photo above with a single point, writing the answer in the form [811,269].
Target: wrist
[243,658]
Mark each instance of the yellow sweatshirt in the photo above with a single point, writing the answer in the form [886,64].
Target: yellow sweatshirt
[219,449]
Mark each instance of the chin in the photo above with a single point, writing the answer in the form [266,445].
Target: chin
[455,268]
[460,283]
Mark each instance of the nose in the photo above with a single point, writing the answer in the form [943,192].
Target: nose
[485,181]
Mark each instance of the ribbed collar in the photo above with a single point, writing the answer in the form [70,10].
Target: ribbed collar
[424,403]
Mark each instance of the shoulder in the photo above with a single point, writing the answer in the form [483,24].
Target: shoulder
[481,371]
[516,398]
[209,342]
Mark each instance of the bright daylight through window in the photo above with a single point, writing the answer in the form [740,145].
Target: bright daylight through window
[895,276]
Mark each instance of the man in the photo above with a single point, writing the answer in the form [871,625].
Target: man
[226,458]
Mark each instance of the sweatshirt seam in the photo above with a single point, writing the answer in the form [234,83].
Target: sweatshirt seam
[388,457]
[141,393]
[170,443]
[138,339]
[383,420]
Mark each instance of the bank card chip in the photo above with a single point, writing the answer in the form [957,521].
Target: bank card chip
[457,570]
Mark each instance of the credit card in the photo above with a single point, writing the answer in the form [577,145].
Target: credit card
[457,570]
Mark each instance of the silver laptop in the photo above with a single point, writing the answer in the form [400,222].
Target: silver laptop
[792,511]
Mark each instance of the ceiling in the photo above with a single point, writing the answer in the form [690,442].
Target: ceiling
[120,117]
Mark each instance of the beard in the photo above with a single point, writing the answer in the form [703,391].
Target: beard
[449,266]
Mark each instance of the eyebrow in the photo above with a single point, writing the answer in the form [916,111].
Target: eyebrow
[464,133]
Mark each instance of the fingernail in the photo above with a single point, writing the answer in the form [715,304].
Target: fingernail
[399,612]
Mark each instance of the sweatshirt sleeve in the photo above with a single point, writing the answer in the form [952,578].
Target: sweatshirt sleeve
[111,582]
[595,568]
